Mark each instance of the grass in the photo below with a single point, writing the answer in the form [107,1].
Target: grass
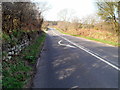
[94,39]
[31,52]
[14,74]
[17,72]
[99,40]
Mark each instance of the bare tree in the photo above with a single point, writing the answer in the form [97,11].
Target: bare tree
[66,15]
[89,21]
[76,23]
[43,6]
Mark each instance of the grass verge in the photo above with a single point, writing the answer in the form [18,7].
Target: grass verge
[94,39]
[18,71]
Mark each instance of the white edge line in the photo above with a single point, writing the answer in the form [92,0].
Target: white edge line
[115,67]
[39,57]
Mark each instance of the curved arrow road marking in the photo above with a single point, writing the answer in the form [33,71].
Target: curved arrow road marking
[90,52]
[65,44]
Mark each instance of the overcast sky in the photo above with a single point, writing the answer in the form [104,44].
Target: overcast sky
[81,8]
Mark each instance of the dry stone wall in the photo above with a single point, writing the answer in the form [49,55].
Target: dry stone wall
[9,50]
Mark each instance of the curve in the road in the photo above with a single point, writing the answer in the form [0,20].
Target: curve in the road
[90,52]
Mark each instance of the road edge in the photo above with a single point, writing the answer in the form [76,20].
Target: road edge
[37,61]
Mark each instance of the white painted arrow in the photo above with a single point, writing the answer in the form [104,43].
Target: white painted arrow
[67,45]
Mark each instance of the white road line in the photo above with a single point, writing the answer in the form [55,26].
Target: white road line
[88,51]
[92,41]
[39,59]
[67,45]
[74,87]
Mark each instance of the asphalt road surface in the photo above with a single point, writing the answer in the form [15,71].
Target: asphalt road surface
[71,62]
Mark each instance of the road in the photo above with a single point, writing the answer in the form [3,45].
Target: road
[71,62]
